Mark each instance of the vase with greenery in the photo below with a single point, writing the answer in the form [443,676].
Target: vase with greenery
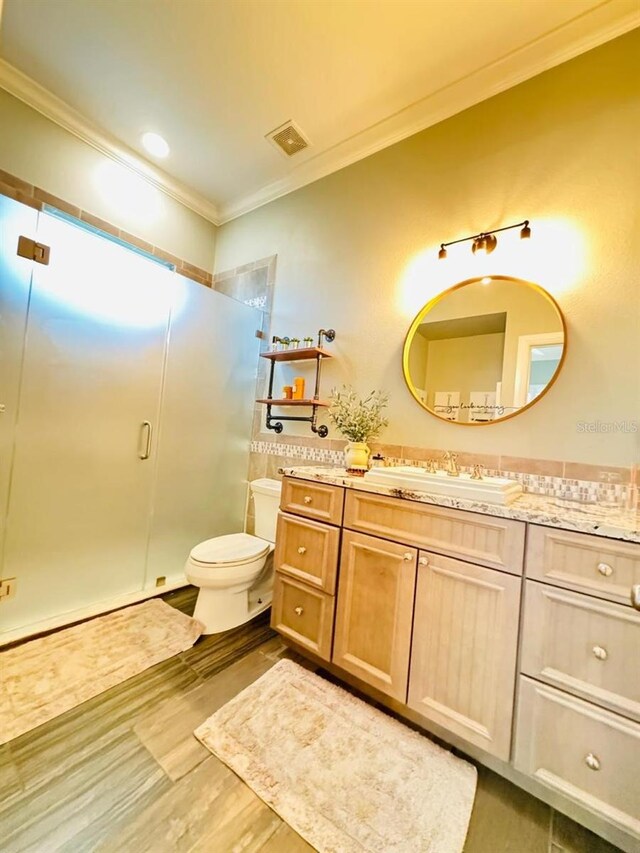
[360,420]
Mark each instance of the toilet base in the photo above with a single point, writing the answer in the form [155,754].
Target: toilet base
[220,610]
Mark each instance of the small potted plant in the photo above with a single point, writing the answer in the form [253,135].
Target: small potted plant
[295,343]
[308,342]
[284,343]
[360,421]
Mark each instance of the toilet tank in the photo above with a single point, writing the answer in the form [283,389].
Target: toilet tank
[266,500]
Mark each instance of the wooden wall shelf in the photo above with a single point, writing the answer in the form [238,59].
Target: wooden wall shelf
[300,354]
[287,402]
[317,354]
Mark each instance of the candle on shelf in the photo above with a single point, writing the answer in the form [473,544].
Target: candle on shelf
[298,388]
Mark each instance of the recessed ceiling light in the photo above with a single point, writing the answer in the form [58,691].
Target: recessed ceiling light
[155,144]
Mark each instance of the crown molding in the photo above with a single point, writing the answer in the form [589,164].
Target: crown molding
[611,19]
[58,111]
[607,21]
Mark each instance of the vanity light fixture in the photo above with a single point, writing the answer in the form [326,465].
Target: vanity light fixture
[486,241]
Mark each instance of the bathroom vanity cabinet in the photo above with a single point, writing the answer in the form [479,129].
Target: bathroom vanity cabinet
[463,658]
[374,611]
[514,641]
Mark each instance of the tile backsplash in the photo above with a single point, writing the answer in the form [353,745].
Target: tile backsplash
[556,484]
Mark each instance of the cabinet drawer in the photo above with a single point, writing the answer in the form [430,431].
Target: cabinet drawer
[494,542]
[307,551]
[317,501]
[463,655]
[592,564]
[303,614]
[581,751]
[583,645]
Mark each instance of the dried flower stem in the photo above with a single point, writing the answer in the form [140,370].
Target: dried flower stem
[358,420]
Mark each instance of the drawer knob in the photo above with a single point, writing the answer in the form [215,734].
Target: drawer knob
[299,610]
[302,550]
[600,653]
[592,762]
[308,499]
[407,557]
[635,596]
[424,561]
[605,569]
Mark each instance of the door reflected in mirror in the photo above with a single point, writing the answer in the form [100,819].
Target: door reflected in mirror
[484,350]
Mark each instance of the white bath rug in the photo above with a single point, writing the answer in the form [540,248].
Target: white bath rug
[344,775]
[43,678]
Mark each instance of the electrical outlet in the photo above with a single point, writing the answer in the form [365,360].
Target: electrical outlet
[7,588]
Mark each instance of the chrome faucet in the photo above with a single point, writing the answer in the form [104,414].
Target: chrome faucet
[432,466]
[477,472]
[451,464]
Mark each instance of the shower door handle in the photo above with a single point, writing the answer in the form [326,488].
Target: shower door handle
[146,431]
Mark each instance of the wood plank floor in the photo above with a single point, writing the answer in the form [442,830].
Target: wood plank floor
[122,773]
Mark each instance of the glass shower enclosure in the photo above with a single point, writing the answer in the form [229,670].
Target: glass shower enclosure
[126,397]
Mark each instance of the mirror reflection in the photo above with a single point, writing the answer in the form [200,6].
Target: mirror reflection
[484,350]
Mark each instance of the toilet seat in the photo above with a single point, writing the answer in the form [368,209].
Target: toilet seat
[233,549]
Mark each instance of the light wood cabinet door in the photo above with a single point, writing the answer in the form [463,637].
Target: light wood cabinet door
[583,645]
[583,752]
[374,612]
[483,539]
[303,614]
[592,564]
[308,551]
[318,501]
[463,659]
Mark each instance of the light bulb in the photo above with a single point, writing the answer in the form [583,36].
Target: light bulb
[155,144]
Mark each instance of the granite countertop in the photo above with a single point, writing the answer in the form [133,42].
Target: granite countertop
[536,509]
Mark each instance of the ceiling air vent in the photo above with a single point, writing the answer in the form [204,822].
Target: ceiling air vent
[288,138]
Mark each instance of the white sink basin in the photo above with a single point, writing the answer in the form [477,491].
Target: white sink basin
[491,490]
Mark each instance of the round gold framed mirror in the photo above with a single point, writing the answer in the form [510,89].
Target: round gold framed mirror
[484,350]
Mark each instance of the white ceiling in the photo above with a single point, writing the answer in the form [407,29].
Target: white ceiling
[214,76]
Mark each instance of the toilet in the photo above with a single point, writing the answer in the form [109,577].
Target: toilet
[235,572]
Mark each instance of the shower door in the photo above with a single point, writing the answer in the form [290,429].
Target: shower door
[83,471]
[205,424]
[15,281]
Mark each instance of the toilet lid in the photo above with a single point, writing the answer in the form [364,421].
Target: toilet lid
[233,548]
